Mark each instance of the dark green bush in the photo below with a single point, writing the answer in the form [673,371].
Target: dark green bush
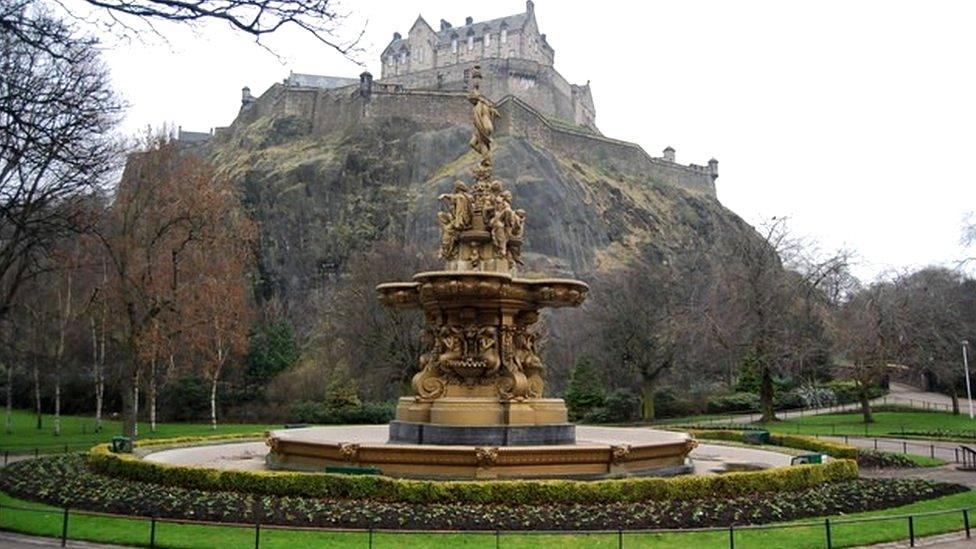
[667,404]
[736,402]
[585,390]
[509,492]
[369,413]
[623,405]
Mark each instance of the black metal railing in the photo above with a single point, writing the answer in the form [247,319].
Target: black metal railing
[64,517]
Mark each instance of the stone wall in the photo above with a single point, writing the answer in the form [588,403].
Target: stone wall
[344,108]
[539,85]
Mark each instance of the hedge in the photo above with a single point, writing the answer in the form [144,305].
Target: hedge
[832,449]
[387,489]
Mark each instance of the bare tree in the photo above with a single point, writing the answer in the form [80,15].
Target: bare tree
[257,18]
[56,113]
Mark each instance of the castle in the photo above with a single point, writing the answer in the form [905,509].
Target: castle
[514,56]
[424,78]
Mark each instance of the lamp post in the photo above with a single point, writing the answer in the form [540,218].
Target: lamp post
[965,365]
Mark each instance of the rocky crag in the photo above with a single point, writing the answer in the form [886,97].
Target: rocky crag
[322,196]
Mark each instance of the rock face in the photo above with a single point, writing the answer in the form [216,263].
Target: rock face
[322,197]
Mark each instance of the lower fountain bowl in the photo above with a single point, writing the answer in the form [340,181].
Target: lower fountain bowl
[482,435]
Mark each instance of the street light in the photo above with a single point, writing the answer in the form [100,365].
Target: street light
[965,365]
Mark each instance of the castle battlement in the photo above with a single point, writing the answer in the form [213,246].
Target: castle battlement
[426,76]
[515,59]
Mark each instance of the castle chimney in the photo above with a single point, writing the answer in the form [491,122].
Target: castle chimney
[397,36]
[246,97]
[713,168]
[468,20]
[529,6]
[669,154]
[445,25]
[365,84]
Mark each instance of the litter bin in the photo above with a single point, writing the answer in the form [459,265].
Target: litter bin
[122,445]
[806,458]
[756,437]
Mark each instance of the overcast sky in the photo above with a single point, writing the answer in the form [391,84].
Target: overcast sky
[855,119]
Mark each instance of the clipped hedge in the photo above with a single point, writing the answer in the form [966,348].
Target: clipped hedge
[832,449]
[512,492]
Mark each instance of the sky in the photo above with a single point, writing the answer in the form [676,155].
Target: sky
[856,120]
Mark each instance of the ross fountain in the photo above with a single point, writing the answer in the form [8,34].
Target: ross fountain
[479,409]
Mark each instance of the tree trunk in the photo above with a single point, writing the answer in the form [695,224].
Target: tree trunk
[129,405]
[647,401]
[152,397]
[135,400]
[766,396]
[98,370]
[213,400]
[57,403]
[9,427]
[865,403]
[37,395]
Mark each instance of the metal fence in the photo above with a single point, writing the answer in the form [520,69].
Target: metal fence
[370,537]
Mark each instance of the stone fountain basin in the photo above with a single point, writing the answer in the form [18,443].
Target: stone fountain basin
[600,452]
[471,288]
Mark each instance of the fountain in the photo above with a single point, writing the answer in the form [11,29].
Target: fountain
[479,409]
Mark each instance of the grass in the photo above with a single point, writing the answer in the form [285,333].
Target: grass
[885,424]
[47,521]
[925,461]
[79,432]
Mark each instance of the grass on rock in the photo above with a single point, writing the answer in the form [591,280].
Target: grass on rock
[79,432]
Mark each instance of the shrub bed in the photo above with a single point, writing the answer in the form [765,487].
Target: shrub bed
[65,481]
[538,492]
[832,449]
[872,459]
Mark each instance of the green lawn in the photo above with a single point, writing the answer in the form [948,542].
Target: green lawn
[885,424]
[47,521]
[79,432]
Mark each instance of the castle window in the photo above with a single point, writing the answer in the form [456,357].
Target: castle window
[488,40]
[454,45]
[504,35]
[470,43]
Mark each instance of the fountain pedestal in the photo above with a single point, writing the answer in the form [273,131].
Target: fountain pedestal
[478,408]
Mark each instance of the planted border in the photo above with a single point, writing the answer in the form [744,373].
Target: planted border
[512,492]
[832,449]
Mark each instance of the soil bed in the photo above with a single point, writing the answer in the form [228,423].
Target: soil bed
[65,481]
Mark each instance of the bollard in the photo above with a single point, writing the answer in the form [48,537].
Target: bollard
[904,447]
[35,452]
[370,538]
[911,530]
[731,537]
[875,444]
[827,527]
[845,439]
[64,528]
[497,541]
[257,535]
[620,539]
[152,533]
[965,521]
[932,450]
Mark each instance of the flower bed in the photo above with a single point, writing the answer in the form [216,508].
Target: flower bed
[540,492]
[832,449]
[65,481]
